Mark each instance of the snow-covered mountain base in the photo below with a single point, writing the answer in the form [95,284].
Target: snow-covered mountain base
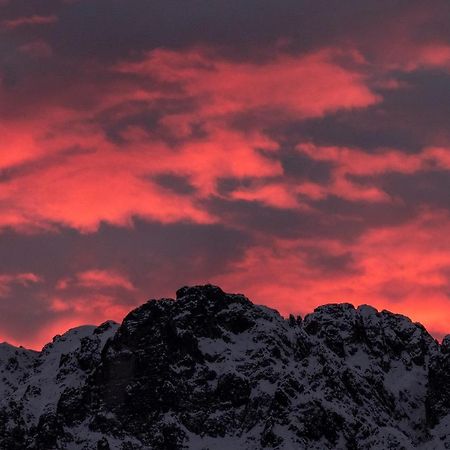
[211,370]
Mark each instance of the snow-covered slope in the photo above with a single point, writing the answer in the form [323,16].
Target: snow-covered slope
[15,365]
[34,383]
[213,371]
[61,367]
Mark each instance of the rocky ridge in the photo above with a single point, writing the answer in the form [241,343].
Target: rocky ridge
[211,370]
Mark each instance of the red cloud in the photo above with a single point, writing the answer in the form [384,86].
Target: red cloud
[353,161]
[97,278]
[404,269]
[359,162]
[306,86]
[112,182]
[60,167]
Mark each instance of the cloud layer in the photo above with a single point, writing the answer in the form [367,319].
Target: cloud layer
[298,152]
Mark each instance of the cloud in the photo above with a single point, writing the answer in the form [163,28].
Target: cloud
[97,278]
[28,21]
[7,281]
[100,154]
[57,279]
[395,268]
[299,154]
[305,86]
[107,184]
[37,49]
[422,189]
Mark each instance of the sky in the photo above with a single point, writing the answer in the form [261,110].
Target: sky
[296,151]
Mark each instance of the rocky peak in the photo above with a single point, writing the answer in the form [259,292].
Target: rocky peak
[210,370]
[346,329]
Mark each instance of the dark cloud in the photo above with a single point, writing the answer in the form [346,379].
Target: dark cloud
[410,117]
[175,183]
[356,128]
[297,167]
[329,264]
[407,118]
[363,215]
[301,167]
[421,107]
[138,249]
[147,116]
[423,188]
[226,186]
[144,25]
[155,258]
[331,218]
[111,29]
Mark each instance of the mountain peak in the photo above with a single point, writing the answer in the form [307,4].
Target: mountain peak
[208,291]
[212,370]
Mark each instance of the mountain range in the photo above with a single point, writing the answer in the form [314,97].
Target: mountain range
[212,371]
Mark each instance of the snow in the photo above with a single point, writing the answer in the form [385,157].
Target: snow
[39,388]
[343,370]
[15,364]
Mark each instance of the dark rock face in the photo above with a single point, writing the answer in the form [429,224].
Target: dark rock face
[211,370]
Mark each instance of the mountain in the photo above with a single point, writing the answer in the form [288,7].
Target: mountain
[211,370]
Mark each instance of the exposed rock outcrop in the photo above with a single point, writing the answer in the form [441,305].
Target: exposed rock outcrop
[211,370]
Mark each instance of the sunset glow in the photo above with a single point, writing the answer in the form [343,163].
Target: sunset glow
[299,155]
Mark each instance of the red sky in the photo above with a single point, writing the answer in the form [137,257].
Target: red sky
[295,151]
